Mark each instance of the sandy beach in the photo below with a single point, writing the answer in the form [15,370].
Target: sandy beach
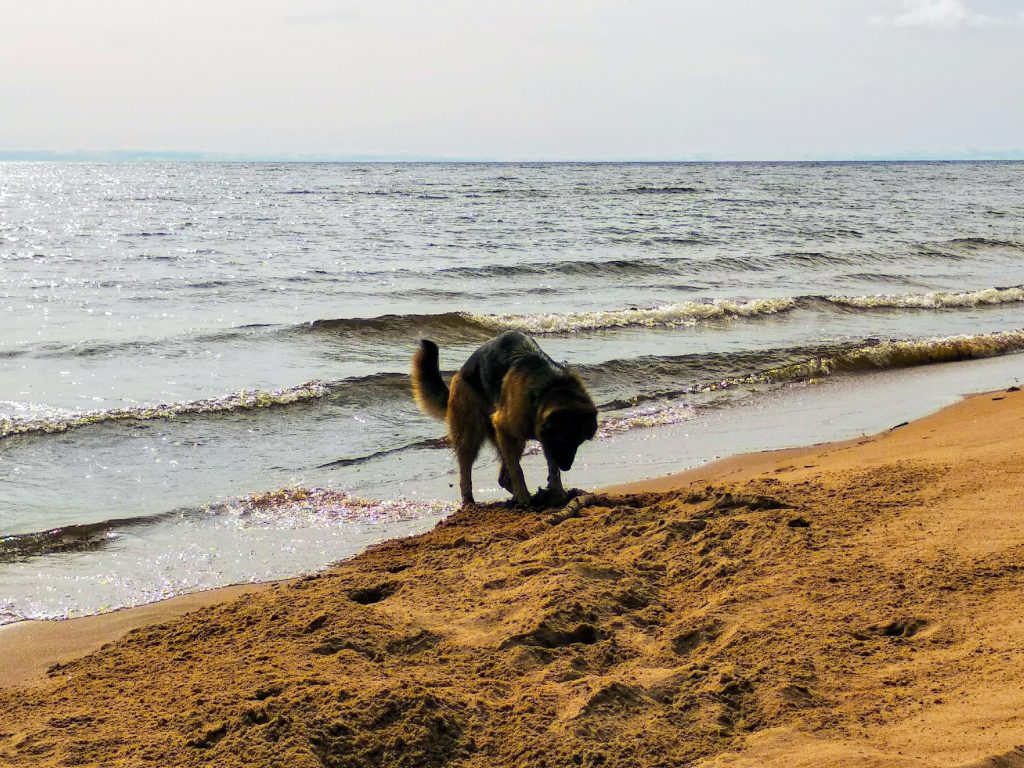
[847,604]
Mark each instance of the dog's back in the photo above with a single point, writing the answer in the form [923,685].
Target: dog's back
[486,369]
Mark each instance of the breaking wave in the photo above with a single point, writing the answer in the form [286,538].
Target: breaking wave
[645,417]
[899,354]
[934,300]
[717,372]
[466,325]
[667,316]
[880,355]
[239,401]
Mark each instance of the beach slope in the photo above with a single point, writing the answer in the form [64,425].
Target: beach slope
[855,604]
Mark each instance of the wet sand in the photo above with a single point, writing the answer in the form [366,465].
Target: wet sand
[848,604]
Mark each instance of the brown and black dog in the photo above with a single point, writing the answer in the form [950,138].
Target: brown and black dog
[508,391]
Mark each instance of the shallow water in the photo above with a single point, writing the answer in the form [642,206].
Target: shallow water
[176,337]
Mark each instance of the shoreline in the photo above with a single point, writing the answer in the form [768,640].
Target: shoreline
[29,647]
[850,604]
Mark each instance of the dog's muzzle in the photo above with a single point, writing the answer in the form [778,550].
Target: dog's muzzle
[565,461]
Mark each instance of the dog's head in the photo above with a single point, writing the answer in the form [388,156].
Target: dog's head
[564,430]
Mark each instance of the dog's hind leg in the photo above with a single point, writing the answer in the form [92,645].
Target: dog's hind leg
[467,429]
[466,453]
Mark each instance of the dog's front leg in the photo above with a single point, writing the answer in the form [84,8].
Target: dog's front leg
[503,480]
[556,493]
[511,451]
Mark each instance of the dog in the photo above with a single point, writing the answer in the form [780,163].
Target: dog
[508,391]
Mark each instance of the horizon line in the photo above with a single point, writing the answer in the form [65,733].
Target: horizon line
[383,157]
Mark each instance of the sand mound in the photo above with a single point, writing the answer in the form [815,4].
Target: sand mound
[858,607]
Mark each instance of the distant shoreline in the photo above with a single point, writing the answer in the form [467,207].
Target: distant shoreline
[144,156]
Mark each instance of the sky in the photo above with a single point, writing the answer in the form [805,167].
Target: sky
[524,80]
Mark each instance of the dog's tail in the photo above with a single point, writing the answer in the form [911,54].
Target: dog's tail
[428,388]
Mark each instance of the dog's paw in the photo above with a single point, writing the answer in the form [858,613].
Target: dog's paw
[545,498]
[513,503]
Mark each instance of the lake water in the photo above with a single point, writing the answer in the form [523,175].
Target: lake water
[203,366]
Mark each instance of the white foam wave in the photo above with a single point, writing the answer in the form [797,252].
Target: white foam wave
[644,417]
[318,507]
[667,316]
[892,354]
[239,401]
[934,300]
